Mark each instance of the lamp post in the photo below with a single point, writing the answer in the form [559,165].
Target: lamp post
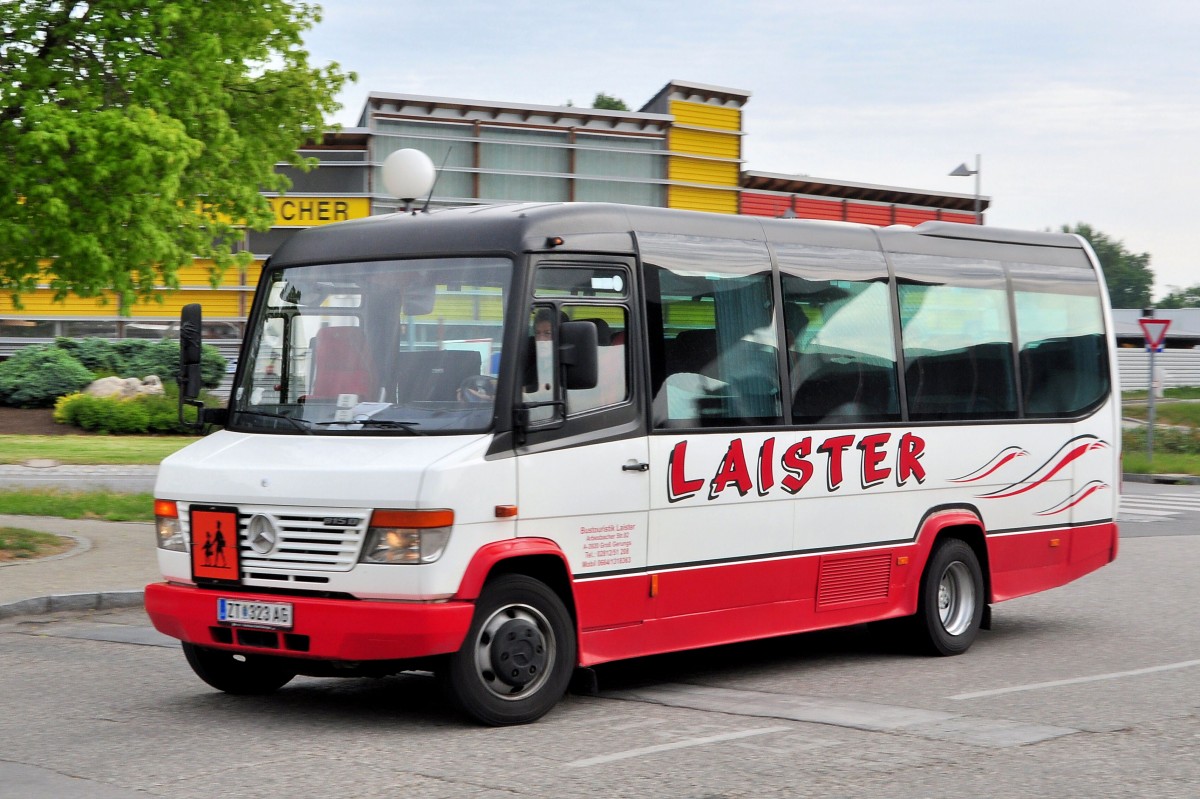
[961,171]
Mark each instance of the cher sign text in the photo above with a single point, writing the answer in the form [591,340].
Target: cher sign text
[309,211]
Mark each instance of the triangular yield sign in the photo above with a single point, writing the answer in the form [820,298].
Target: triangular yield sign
[1155,331]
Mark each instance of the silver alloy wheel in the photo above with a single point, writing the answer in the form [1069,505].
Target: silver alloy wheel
[515,652]
[956,598]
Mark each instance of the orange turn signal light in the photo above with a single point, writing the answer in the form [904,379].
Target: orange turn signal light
[419,519]
[506,511]
[166,507]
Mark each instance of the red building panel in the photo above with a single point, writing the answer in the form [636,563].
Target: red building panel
[764,204]
[809,208]
[966,219]
[915,216]
[869,214]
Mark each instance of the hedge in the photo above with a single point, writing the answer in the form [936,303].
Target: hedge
[39,374]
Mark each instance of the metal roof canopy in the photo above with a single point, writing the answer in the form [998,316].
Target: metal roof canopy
[870,192]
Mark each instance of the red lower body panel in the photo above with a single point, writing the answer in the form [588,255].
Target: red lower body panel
[323,629]
[1025,563]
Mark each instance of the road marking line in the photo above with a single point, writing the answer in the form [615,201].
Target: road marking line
[1146,512]
[650,750]
[1077,680]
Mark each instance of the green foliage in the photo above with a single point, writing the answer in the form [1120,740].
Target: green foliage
[1173,440]
[134,416]
[140,357]
[1127,274]
[1181,298]
[96,354]
[140,135]
[35,376]
[607,102]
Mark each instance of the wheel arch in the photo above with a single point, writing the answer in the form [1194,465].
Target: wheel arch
[964,523]
[539,558]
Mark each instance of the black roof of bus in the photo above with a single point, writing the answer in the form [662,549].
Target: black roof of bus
[611,228]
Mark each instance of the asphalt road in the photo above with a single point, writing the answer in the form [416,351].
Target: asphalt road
[1092,689]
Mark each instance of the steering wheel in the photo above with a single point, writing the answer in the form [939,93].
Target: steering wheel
[477,388]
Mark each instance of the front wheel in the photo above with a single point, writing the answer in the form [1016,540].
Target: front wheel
[234,673]
[517,659]
[952,600]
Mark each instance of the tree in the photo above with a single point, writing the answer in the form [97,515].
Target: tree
[1127,275]
[1181,298]
[607,102]
[135,135]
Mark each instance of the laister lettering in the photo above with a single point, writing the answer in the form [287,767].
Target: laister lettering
[733,471]
[797,465]
[834,447]
[908,463]
[766,467]
[799,470]
[872,456]
[678,486]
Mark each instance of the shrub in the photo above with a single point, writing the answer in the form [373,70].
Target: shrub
[143,414]
[94,353]
[36,376]
[134,357]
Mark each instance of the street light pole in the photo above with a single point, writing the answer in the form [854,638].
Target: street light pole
[961,171]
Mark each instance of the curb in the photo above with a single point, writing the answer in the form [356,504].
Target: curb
[90,600]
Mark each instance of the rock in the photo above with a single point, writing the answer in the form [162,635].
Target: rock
[125,387]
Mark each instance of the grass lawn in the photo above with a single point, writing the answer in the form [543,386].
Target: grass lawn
[106,505]
[91,450]
[17,543]
[1179,413]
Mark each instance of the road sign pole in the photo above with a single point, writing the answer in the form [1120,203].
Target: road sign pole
[1150,412]
[1155,331]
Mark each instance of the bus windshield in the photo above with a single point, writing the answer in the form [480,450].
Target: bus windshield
[400,347]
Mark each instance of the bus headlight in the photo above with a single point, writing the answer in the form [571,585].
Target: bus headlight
[407,536]
[167,527]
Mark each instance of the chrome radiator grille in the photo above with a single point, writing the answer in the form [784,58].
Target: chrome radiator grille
[302,539]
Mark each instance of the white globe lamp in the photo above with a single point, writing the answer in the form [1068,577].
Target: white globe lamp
[408,174]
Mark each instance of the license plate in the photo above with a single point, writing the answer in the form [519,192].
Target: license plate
[258,614]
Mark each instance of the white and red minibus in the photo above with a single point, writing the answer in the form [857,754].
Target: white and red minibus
[502,443]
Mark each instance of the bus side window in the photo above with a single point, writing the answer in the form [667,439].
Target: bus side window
[837,313]
[958,342]
[718,348]
[1060,329]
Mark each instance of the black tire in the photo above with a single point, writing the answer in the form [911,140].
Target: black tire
[951,604]
[234,673]
[518,657]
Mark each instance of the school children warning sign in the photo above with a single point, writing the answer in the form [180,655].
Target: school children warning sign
[214,544]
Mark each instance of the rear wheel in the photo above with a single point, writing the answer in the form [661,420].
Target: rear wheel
[518,656]
[952,600]
[235,673]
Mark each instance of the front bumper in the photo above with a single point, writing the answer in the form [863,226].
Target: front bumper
[322,629]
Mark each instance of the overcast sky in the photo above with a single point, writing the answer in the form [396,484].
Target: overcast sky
[1082,112]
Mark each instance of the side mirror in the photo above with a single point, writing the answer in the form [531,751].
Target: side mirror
[189,352]
[578,352]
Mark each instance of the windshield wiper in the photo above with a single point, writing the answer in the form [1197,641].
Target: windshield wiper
[303,427]
[382,424]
